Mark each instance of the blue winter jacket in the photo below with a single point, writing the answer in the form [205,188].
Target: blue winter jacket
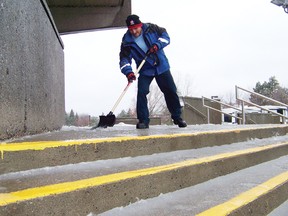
[155,63]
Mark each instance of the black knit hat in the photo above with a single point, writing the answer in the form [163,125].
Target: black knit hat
[133,21]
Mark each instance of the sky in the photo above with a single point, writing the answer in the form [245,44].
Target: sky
[215,45]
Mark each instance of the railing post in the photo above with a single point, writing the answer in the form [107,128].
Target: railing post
[284,120]
[243,113]
[208,115]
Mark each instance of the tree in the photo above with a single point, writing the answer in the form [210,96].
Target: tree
[281,94]
[94,120]
[126,114]
[122,114]
[76,119]
[271,89]
[156,102]
[71,118]
[186,87]
[228,98]
[82,120]
[131,113]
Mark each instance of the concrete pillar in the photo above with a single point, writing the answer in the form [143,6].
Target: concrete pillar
[31,69]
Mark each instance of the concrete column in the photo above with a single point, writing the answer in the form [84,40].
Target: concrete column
[32,96]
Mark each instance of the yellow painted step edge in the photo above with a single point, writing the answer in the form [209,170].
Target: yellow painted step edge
[246,197]
[41,145]
[43,191]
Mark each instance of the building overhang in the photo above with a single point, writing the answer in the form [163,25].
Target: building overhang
[72,16]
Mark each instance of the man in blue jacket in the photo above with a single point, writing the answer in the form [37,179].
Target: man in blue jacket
[149,39]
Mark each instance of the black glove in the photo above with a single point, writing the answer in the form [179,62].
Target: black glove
[130,77]
[153,49]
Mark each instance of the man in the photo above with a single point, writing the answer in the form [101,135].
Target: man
[149,39]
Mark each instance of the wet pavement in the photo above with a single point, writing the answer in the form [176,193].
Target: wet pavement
[123,130]
[72,172]
[53,174]
[198,198]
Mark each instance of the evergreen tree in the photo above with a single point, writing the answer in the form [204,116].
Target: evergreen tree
[271,89]
[76,119]
[122,114]
[70,119]
[66,118]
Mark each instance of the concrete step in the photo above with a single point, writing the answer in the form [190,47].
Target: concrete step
[258,201]
[219,196]
[72,172]
[54,149]
[280,210]
[85,194]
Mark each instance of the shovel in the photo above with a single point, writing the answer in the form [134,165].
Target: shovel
[110,119]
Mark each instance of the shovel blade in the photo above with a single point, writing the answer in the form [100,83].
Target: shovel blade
[106,121]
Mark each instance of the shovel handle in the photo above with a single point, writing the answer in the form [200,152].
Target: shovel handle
[141,65]
[120,97]
[126,88]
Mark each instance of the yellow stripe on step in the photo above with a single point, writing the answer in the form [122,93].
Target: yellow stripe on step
[246,197]
[41,145]
[43,191]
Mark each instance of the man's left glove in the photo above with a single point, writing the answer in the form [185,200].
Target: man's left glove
[153,49]
[130,77]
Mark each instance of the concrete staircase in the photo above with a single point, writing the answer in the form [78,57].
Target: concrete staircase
[219,170]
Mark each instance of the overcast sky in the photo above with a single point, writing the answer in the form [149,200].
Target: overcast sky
[215,45]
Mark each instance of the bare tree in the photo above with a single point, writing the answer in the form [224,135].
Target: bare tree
[280,94]
[156,101]
[185,85]
[228,98]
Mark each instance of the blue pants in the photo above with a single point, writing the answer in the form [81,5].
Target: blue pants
[167,86]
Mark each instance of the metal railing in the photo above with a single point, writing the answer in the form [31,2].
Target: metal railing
[219,102]
[202,115]
[242,110]
[243,101]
